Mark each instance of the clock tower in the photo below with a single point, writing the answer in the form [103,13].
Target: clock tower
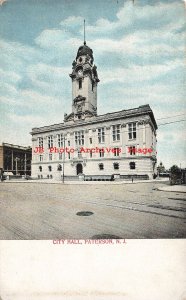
[84,85]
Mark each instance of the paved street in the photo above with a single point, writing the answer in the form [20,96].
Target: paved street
[49,211]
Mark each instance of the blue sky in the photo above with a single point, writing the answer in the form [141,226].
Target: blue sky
[138,49]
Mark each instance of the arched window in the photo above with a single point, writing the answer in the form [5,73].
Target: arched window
[116,166]
[132,165]
[101,166]
[50,168]
[40,168]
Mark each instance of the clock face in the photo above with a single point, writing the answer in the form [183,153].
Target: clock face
[80,72]
[79,108]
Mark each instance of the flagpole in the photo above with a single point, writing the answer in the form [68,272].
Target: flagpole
[84,33]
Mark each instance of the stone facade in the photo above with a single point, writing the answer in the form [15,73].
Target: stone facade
[94,144]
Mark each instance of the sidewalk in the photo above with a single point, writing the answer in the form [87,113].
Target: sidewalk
[78,182]
[173,188]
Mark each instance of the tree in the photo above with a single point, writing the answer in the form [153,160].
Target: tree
[175,169]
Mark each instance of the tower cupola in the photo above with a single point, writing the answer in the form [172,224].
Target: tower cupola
[84,85]
[84,50]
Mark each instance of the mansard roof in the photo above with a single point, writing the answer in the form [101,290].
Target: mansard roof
[124,114]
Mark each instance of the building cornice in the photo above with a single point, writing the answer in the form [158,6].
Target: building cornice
[16,147]
[124,114]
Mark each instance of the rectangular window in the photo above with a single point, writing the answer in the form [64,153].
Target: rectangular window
[41,142]
[60,140]
[90,140]
[50,156]
[132,150]
[80,84]
[40,157]
[101,167]
[68,155]
[60,155]
[132,165]
[101,153]
[68,143]
[79,154]
[116,151]
[79,138]
[101,135]
[132,131]
[50,141]
[116,166]
[116,133]
[90,154]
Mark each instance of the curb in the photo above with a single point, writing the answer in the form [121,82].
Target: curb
[174,191]
[83,182]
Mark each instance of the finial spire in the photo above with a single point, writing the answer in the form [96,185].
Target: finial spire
[84,34]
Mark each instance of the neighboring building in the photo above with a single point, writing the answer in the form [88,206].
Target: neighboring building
[161,171]
[161,168]
[121,132]
[15,159]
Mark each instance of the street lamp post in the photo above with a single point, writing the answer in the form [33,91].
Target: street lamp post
[63,160]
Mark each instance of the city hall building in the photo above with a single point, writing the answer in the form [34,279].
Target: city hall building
[118,144]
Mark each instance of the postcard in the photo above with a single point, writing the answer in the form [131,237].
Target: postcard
[92,153]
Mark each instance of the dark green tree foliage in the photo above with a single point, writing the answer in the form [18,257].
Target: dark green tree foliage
[175,169]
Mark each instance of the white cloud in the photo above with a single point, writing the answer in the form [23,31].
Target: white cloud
[25,119]
[8,89]
[9,100]
[11,77]
[137,73]
[143,32]
[34,98]
[142,45]
[58,39]
[130,18]
[102,26]
[72,21]
[43,75]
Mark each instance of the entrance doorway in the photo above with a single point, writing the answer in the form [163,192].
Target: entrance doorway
[79,169]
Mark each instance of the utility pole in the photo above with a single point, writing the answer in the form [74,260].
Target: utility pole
[25,165]
[63,159]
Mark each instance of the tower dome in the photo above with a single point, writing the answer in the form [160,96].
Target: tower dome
[84,50]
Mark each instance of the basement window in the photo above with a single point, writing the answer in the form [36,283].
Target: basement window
[132,165]
[101,167]
[116,166]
